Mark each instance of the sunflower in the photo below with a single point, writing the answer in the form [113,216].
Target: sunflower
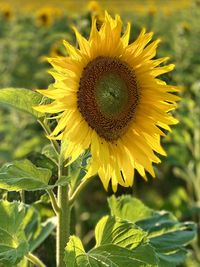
[47,15]
[6,12]
[111,102]
[96,11]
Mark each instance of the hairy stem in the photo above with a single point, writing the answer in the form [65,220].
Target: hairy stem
[22,195]
[76,193]
[53,201]
[37,262]
[47,130]
[63,217]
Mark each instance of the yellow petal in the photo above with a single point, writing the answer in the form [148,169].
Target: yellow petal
[83,43]
[54,107]
[73,52]
[126,36]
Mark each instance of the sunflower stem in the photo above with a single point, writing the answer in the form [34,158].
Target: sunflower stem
[22,195]
[35,260]
[63,218]
[45,126]
[54,202]
[76,193]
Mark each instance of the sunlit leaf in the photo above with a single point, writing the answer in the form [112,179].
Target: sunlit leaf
[110,230]
[108,255]
[165,233]
[13,244]
[45,229]
[124,207]
[23,175]
[22,99]
[118,243]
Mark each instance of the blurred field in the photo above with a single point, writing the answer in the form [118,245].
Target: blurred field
[30,32]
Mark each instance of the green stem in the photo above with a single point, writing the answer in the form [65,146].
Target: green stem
[47,130]
[63,225]
[22,195]
[53,201]
[83,183]
[37,262]
[63,217]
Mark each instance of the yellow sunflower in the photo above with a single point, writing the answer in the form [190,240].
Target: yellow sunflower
[46,16]
[111,102]
[6,12]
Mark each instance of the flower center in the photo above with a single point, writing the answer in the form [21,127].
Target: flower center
[108,96]
[111,94]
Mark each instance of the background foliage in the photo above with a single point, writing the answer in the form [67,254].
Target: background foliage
[27,36]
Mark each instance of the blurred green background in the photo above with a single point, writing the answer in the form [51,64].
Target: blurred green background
[29,32]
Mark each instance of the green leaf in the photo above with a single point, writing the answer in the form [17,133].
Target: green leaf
[112,255]
[118,243]
[35,231]
[23,175]
[63,180]
[165,233]
[182,233]
[108,255]
[42,161]
[172,259]
[122,233]
[74,251]
[50,153]
[77,169]
[13,244]
[45,229]
[125,206]
[22,99]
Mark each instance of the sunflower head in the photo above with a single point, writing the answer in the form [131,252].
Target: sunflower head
[152,10]
[112,102]
[6,11]
[97,12]
[47,15]
[94,7]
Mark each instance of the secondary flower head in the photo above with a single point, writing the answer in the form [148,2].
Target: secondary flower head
[46,16]
[112,102]
[6,11]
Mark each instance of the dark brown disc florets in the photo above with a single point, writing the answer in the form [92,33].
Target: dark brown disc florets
[108,96]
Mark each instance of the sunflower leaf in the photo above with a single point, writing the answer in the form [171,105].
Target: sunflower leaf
[126,234]
[166,235]
[24,175]
[35,230]
[122,207]
[118,243]
[22,99]
[13,244]
[63,180]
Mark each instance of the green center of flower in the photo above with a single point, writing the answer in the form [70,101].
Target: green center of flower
[108,96]
[111,94]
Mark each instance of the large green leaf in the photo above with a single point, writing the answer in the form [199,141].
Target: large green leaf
[13,244]
[35,230]
[118,243]
[111,230]
[165,233]
[23,175]
[129,208]
[22,99]
[21,231]
[42,161]
[50,153]
[108,255]
[45,229]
